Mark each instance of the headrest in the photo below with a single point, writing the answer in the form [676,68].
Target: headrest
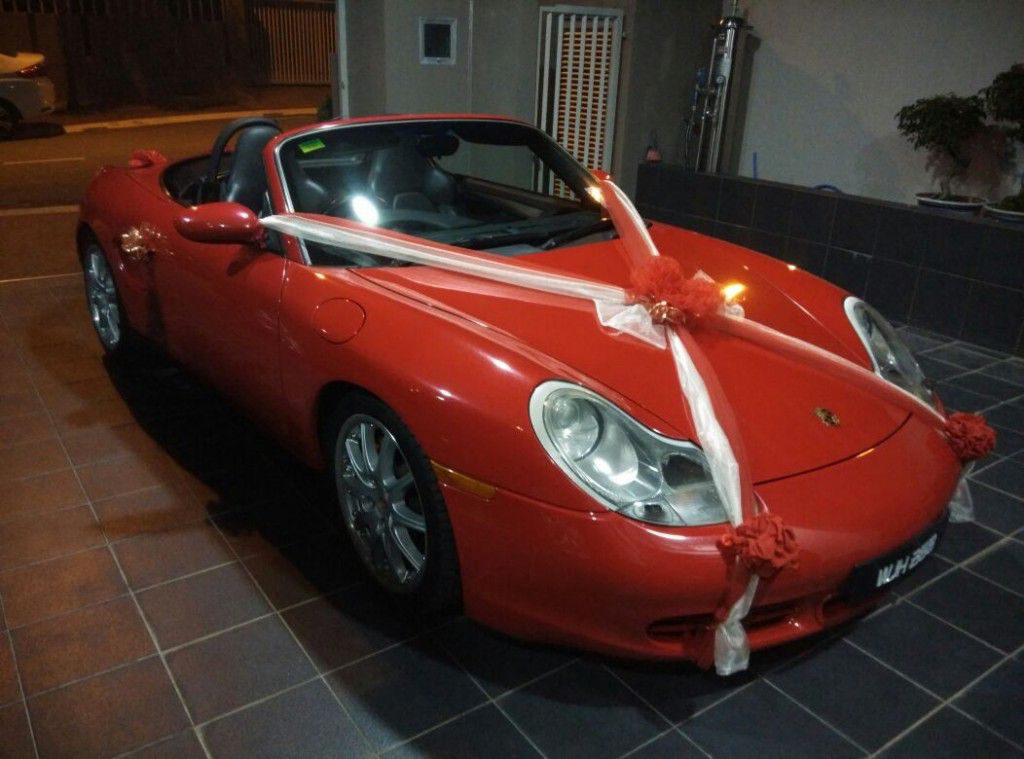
[437,145]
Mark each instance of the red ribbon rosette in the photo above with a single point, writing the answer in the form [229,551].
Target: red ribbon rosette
[671,298]
[970,436]
[763,544]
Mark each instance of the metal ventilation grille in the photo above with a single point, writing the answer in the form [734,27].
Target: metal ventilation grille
[292,40]
[578,84]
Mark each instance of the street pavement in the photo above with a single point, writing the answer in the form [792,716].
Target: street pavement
[43,173]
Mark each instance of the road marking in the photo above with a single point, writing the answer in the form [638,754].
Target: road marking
[41,276]
[37,211]
[44,160]
[183,119]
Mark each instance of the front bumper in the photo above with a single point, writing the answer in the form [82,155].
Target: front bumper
[599,581]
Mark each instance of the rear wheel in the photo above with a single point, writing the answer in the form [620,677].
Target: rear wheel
[105,309]
[391,504]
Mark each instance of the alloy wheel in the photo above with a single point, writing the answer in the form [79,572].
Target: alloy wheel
[104,307]
[381,503]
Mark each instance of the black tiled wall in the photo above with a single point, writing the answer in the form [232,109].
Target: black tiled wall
[962,277]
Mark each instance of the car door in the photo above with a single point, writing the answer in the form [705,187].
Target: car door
[220,304]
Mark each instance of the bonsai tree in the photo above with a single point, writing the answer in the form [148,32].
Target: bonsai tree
[1004,101]
[943,125]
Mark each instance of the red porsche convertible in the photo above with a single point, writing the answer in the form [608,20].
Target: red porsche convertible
[393,299]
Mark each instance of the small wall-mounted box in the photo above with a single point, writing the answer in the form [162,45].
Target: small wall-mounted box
[437,41]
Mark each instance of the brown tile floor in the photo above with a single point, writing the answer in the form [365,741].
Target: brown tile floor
[21,233]
[172,584]
[128,505]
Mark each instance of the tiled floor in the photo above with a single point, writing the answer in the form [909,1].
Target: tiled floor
[173,585]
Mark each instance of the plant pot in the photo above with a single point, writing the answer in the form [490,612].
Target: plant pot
[1004,214]
[965,204]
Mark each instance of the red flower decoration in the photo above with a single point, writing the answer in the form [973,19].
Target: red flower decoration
[970,436]
[671,298]
[763,543]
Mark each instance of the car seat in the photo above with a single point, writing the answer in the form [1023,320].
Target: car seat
[402,178]
[246,182]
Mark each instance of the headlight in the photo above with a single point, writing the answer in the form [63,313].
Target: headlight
[892,359]
[628,468]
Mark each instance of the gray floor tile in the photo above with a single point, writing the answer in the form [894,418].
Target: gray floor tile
[748,725]
[1009,370]
[582,710]
[998,701]
[235,668]
[938,371]
[404,691]
[671,745]
[864,699]
[976,606]
[1008,442]
[498,663]
[919,340]
[912,641]
[679,690]
[956,398]
[481,732]
[1009,415]
[1006,475]
[949,734]
[306,722]
[992,387]
[996,509]
[1004,565]
[962,541]
[968,357]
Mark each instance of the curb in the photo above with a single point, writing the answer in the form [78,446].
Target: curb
[186,118]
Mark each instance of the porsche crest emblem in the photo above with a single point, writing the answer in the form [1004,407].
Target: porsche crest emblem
[826,417]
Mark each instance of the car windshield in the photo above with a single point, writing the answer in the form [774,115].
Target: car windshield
[498,186]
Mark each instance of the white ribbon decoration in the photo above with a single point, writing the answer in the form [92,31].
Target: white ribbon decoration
[614,311]
[732,651]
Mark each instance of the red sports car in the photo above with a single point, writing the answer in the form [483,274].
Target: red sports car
[393,299]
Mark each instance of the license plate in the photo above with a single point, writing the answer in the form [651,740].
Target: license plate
[885,571]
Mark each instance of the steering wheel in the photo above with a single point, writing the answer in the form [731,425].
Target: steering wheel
[208,182]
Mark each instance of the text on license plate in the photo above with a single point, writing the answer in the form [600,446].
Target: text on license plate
[895,569]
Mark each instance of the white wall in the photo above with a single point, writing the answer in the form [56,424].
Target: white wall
[496,64]
[829,76]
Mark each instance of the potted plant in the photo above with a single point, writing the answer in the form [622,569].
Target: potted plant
[1004,101]
[944,125]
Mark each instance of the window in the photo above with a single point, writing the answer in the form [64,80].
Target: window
[463,182]
[437,41]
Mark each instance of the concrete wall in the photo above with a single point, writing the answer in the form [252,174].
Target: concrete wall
[367,86]
[829,75]
[668,42]
[415,87]
[496,64]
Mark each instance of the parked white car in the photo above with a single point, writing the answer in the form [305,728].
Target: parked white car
[25,90]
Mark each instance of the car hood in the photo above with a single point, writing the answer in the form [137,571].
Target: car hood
[774,398]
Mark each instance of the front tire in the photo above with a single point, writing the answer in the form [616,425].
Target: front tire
[391,504]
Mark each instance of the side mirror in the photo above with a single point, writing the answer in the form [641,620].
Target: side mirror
[219,223]
[600,174]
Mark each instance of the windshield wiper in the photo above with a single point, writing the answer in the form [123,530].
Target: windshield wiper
[493,239]
[574,234]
